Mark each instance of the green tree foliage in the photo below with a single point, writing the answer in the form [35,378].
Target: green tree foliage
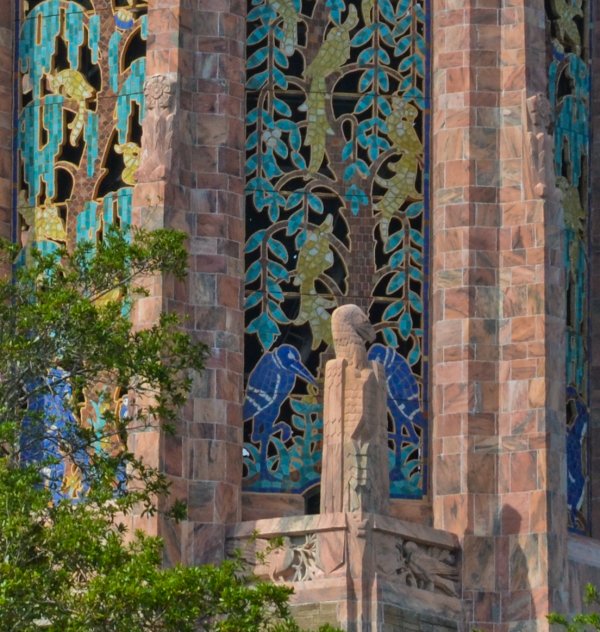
[67,564]
[580,622]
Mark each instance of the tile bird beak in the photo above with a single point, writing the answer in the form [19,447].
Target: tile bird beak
[301,371]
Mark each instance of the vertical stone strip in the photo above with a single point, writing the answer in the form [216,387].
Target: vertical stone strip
[465,280]
[498,368]
[7,129]
[198,46]
[594,341]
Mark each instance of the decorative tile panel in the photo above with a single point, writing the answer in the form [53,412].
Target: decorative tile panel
[569,87]
[81,68]
[337,212]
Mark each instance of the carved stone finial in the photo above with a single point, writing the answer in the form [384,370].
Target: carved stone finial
[351,329]
[355,472]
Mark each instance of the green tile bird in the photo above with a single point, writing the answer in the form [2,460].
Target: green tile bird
[401,186]
[290,18]
[333,54]
[314,258]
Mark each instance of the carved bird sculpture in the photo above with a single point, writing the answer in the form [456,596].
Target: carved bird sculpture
[332,55]
[350,328]
[429,571]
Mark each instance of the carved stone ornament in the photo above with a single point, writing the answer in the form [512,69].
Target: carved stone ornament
[157,138]
[355,471]
[539,145]
[421,566]
[159,92]
[295,560]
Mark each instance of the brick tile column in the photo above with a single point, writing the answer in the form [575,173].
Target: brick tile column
[7,130]
[498,360]
[197,187]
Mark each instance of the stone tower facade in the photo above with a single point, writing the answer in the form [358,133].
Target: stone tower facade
[431,161]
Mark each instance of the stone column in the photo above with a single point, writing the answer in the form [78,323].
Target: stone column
[197,48]
[498,359]
[594,352]
[7,129]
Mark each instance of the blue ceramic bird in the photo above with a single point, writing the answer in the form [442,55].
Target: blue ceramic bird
[269,384]
[50,422]
[402,397]
[575,474]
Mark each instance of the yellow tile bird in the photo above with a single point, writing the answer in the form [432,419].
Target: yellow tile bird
[406,142]
[44,221]
[332,55]
[290,18]
[72,85]
[314,258]
[131,157]
[401,128]
[400,187]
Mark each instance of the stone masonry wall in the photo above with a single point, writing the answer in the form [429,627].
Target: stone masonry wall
[498,318]
[198,46]
[7,131]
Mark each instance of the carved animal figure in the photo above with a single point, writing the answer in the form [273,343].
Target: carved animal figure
[131,158]
[73,85]
[429,571]
[350,329]
[332,55]
[277,563]
[289,16]
[400,187]
[314,258]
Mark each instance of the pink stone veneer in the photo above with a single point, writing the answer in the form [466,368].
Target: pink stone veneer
[498,317]
[7,131]
[198,45]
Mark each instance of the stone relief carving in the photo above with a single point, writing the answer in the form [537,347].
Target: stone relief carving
[540,146]
[355,475]
[159,92]
[429,568]
[294,559]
